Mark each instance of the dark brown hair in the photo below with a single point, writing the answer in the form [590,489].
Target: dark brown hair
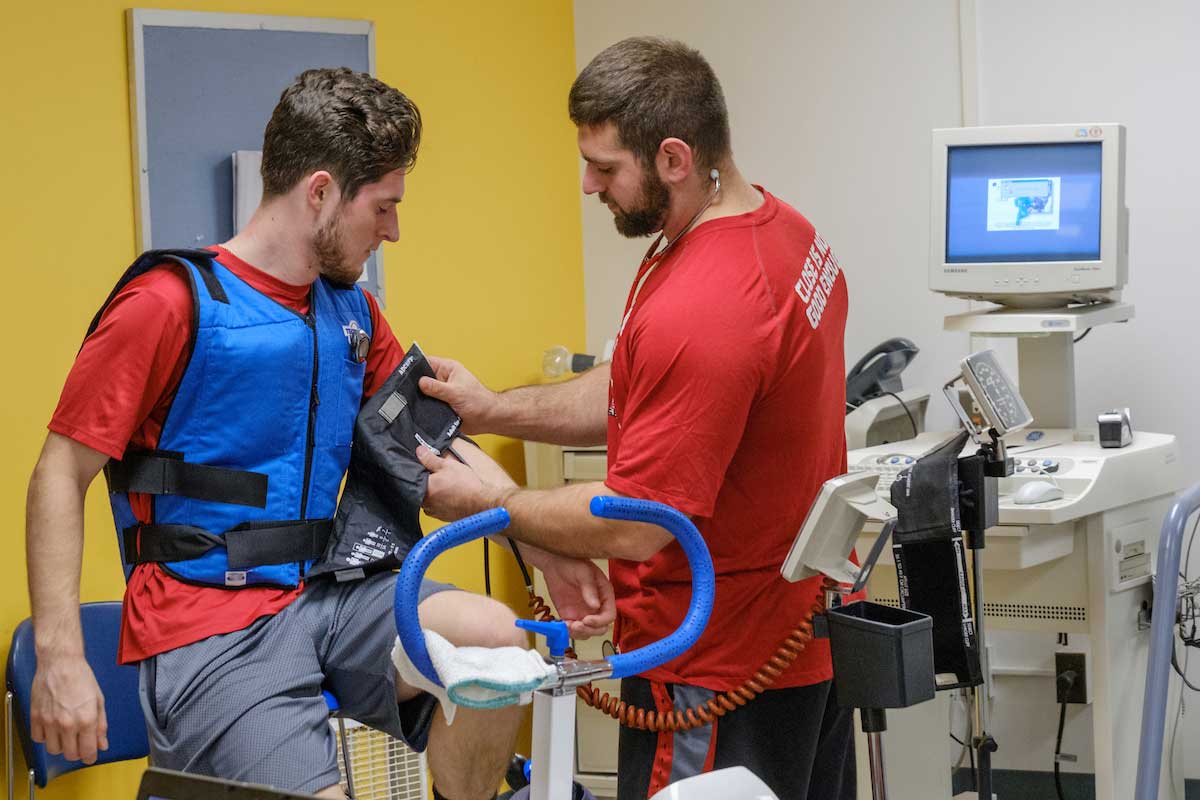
[349,123]
[652,89]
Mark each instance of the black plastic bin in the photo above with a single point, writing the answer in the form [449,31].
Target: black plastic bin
[882,656]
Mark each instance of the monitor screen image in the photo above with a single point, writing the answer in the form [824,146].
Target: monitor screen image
[1023,202]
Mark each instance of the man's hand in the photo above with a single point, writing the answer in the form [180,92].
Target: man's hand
[469,398]
[454,490]
[582,595]
[67,709]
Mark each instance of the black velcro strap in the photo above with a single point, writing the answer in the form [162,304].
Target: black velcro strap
[159,472]
[147,543]
[253,544]
[277,543]
[215,290]
[151,259]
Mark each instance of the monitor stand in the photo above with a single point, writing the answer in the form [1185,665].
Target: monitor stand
[1045,350]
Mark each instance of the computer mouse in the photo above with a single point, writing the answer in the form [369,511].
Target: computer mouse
[1037,492]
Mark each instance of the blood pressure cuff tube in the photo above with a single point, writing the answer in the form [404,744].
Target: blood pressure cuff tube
[377,520]
[931,565]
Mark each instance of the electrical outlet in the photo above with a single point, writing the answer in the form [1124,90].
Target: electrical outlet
[1072,660]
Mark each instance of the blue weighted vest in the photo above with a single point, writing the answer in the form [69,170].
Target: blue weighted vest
[257,439]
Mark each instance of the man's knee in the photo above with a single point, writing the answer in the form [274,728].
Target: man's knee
[467,619]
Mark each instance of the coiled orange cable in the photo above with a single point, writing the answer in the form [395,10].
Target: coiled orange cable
[685,720]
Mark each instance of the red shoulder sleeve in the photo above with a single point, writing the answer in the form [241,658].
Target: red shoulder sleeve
[385,353]
[121,384]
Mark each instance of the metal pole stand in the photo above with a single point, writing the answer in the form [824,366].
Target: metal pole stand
[874,723]
[979,503]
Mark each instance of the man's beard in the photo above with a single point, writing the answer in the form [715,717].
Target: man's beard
[647,216]
[331,258]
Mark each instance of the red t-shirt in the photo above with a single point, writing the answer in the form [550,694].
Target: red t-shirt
[727,401]
[118,393]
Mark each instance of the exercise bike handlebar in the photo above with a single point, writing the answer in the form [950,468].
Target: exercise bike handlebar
[408,625]
[408,584]
[704,581]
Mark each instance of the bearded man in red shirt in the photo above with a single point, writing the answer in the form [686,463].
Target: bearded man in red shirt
[724,398]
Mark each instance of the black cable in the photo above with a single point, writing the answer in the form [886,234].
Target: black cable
[1189,638]
[1062,718]
[520,563]
[1179,672]
[1079,338]
[904,405]
[487,569]
[1064,682]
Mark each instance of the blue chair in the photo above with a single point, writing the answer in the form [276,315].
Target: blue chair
[335,710]
[126,726]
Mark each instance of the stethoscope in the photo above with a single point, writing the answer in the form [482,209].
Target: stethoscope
[657,256]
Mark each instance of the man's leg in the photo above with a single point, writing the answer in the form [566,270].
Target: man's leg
[244,706]
[797,741]
[469,758]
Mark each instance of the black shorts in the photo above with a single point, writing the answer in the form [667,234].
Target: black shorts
[797,741]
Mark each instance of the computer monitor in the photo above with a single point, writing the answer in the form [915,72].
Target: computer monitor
[1029,216]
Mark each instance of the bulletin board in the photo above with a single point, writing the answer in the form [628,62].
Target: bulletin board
[202,87]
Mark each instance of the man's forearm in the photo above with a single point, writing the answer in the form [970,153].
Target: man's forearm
[559,521]
[491,472]
[54,557]
[573,412]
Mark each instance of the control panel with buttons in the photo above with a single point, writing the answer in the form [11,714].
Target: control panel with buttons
[1040,466]
[887,467]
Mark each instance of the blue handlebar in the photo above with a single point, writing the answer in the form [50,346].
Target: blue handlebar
[408,585]
[703,581]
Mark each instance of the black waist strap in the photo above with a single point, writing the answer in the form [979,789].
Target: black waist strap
[164,472]
[252,544]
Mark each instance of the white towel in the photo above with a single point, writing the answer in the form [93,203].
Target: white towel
[476,677]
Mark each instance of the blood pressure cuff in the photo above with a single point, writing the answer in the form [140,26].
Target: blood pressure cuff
[931,565]
[378,516]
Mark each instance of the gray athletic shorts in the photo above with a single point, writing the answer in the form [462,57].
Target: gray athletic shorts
[247,705]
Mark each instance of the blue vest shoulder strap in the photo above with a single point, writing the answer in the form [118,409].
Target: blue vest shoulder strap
[150,259]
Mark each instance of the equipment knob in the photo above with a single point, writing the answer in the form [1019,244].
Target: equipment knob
[557,636]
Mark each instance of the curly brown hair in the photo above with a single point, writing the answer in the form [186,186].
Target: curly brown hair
[349,123]
[652,89]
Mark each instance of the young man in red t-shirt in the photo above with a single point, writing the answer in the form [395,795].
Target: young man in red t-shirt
[725,398]
[231,674]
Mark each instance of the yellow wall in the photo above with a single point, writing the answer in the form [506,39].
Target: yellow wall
[488,268]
